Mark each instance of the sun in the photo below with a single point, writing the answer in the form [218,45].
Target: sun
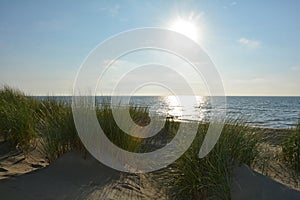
[185,27]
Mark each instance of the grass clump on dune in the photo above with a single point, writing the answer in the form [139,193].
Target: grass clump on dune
[57,129]
[291,148]
[17,118]
[123,140]
[25,121]
[209,177]
[59,135]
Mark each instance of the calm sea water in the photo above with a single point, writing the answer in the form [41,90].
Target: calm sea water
[273,112]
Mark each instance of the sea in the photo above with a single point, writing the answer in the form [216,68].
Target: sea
[259,111]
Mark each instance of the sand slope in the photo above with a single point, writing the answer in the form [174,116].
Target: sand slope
[72,177]
[14,162]
[248,184]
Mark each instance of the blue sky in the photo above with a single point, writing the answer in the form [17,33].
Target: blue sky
[255,44]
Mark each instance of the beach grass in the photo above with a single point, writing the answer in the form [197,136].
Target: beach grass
[17,118]
[26,121]
[291,148]
[114,133]
[56,129]
[59,135]
[209,177]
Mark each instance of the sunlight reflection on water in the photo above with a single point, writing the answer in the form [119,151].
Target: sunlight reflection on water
[184,108]
[274,112]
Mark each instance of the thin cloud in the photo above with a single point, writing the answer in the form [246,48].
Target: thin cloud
[296,69]
[249,42]
[113,11]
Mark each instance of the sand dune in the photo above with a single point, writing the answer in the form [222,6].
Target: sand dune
[73,177]
[248,184]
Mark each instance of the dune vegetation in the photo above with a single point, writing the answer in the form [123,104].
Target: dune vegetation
[26,122]
[291,148]
[17,118]
[210,177]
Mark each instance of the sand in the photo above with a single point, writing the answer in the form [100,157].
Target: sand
[248,184]
[14,163]
[271,162]
[74,177]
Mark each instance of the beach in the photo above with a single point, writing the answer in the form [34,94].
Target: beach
[152,100]
[75,176]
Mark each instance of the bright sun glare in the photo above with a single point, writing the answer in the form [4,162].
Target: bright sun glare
[185,27]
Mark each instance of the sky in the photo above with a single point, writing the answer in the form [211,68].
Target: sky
[254,44]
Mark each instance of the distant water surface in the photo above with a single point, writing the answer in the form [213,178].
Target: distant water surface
[272,112]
